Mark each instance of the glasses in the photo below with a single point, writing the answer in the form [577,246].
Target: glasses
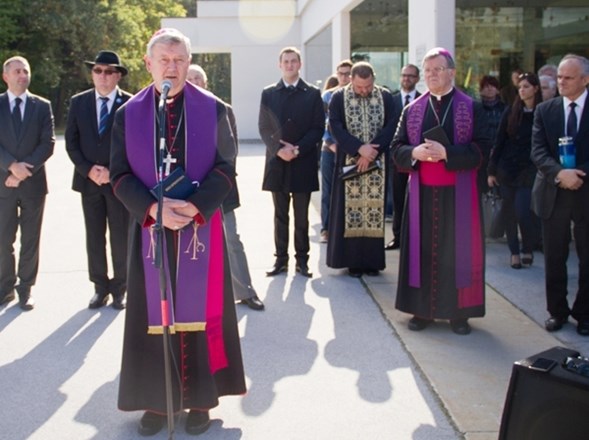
[344,73]
[408,75]
[99,71]
[438,69]
[526,75]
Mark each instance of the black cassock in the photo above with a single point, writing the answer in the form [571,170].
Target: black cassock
[438,295]
[142,385]
[355,252]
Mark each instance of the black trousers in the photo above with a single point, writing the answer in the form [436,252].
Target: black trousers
[300,202]
[102,209]
[399,190]
[25,213]
[570,206]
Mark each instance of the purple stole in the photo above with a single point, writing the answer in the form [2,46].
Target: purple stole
[198,303]
[468,241]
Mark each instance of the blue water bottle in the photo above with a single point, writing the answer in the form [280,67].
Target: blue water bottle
[567,152]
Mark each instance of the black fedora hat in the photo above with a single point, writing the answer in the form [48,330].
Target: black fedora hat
[108,58]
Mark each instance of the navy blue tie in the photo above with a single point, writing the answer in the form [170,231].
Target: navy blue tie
[17,116]
[407,99]
[572,121]
[103,115]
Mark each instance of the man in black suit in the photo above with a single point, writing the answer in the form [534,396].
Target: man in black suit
[561,195]
[26,142]
[87,137]
[291,123]
[407,94]
[243,291]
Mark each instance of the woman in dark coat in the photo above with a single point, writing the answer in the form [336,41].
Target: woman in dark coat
[511,169]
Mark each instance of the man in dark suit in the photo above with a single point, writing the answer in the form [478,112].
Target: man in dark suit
[243,291]
[407,94]
[26,142]
[87,137]
[291,123]
[561,195]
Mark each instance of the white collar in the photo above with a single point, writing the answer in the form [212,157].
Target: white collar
[439,97]
[111,96]
[580,101]
[287,84]
[12,96]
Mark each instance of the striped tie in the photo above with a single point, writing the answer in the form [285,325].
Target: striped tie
[103,115]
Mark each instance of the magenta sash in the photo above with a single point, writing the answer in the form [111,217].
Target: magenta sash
[199,277]
[468,241]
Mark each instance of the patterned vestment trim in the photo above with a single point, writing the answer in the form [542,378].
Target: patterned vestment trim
[364,195]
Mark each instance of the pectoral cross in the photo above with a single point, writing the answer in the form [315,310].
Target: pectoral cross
[169,160]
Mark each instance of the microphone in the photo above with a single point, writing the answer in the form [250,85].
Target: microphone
[166,86]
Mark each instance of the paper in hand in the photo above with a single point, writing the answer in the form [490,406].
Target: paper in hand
[351,171]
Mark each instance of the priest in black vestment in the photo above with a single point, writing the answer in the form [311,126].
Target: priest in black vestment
[361,121]
[441,141]
[204,342]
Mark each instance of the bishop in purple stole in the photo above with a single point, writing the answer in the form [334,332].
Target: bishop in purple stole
[442,265]
[205,341]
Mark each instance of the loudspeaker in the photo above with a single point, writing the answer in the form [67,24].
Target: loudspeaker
[548,398]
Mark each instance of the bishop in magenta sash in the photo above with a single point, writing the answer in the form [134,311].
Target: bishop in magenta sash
[201,313]
[441,143]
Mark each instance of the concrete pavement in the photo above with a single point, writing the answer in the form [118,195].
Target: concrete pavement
[330,358]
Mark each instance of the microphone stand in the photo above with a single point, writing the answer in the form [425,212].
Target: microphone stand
[159,263]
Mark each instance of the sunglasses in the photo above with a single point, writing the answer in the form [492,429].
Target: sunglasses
[99,71]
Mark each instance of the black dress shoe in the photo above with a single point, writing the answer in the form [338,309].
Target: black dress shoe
[197,422]
[151,423]
[7,298]
[278,268]
[253,303]
[98,300]
[554,323]
[355,272]
[416,323]
[119,302]
[583,328]
[303,269]
[392,245]
[26,302]
[460,326]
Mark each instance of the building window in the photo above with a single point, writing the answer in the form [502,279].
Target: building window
[495,40]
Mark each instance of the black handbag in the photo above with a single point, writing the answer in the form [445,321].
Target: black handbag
[493,219]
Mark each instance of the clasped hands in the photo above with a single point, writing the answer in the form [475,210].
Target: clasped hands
[99,174]
[368,154]
[429,151]
[19,171]
[176,214]
[570,178]
[288,151]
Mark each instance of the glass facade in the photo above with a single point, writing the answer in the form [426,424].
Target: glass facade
[492,37]
[379,32]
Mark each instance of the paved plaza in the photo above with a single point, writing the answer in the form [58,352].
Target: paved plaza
[329,358]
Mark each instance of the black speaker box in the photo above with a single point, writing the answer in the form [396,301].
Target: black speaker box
[548,398]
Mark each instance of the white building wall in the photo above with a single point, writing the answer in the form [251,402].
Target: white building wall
[434,28]
[253,32]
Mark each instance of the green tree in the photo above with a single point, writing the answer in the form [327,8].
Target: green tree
[218,69]
[61,34]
